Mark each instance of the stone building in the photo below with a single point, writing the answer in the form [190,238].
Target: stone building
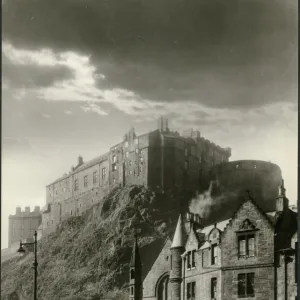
[158,159]
[23,224]
[251,255]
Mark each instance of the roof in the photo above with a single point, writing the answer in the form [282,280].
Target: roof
[88,164]
[178,239]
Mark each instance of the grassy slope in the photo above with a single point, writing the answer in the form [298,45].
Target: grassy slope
[87,258]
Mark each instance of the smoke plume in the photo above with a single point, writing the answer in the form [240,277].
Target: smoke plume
[205,203]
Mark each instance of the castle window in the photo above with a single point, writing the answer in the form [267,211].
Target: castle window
[246,285]
[132,274]
[76,185]
[191,290]
[131,290]
[213,288]
[246,245]
[85,179]
[95,177]
[114,158]
[214,254]
[103,173]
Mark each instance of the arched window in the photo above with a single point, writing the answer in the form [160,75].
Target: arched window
[162,288]
[132,274]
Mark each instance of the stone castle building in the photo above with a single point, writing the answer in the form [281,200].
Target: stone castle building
[252,255]
[158,159]
[23,224]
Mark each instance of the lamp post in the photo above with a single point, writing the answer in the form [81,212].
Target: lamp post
[35,263]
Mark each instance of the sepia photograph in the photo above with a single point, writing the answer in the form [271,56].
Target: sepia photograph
[149,150]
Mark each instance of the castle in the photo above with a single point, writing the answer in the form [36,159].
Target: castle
[252,255]
[158,159]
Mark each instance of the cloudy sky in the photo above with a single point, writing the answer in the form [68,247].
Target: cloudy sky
[77,74]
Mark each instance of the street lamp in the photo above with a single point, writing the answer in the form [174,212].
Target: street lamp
[35,263]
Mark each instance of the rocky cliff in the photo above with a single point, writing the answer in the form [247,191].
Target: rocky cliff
[87,257]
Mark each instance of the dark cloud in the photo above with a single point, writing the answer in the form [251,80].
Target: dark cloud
[221,53]
[33,75]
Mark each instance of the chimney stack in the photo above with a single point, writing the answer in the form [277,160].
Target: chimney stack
[162,125]
[37,209]
[18,211]
[27,209]
[80,160]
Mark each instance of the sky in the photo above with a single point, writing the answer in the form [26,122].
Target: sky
[78,74]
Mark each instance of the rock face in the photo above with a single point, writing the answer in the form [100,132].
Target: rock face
[88,256]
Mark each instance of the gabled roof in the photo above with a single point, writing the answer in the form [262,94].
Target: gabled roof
[178,239]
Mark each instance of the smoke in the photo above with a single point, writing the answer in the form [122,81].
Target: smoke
[204,203]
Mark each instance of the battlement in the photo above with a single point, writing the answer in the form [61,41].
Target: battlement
[196,135]
[26,212]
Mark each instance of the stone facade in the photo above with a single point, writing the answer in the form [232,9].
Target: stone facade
[23,224]
[236,258]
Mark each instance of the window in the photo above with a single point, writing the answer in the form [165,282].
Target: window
[185,152]
[136,141]
[131,290]
[140,169]
[114,167]
[76,185]
[246,245]
[132,274]
[188,260]
[214,254]
[71,212]
[127,154]
[246,285]
[95,177]
[141,159]
[114,180]
[114,158]
[186,164]
[136,150]
[85,178]
[191,289]
[171,261]
[130,172]
[213,288]
[103,173]
[193,259]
